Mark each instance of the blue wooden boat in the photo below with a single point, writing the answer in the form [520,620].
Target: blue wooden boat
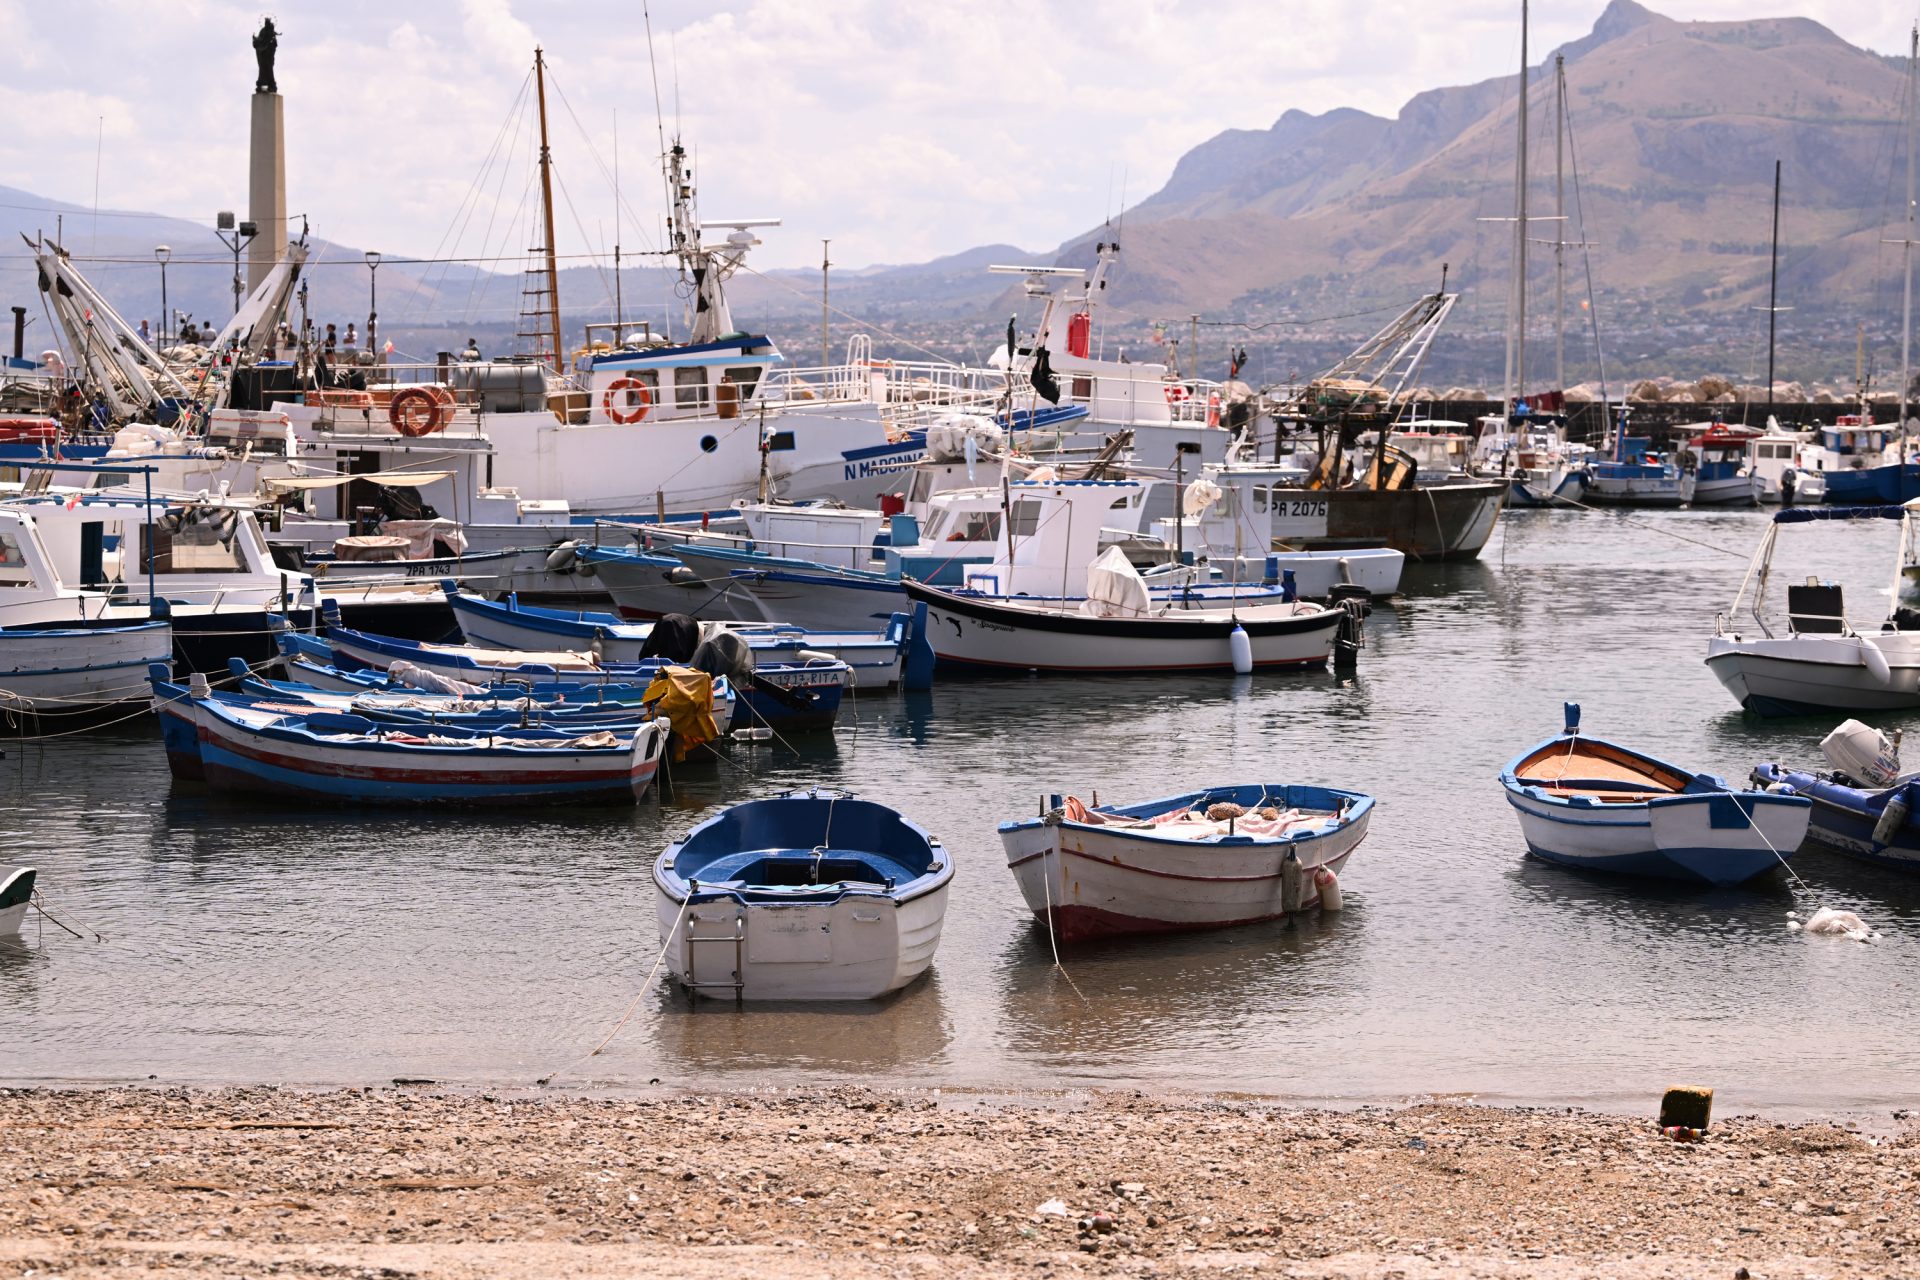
[785,698]
[245,745]
[875,658]
[809,895]
[1853,819]
[1584,802]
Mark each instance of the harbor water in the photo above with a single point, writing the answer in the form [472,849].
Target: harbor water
[247,942]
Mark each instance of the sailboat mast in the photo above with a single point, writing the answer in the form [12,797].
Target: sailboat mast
[1773,287]
[546,200]
[1520,228]
[1906,247]
[1560,222]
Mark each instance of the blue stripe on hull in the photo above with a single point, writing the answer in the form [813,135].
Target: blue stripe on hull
[1844,833]
[1721,868]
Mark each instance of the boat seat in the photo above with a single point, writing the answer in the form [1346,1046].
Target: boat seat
[794,869]
[1605,796]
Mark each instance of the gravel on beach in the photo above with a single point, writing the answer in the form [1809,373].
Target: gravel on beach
[412,1181]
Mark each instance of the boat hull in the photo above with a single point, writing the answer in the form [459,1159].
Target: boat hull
[857,948]
[16,895]
[985,633]
[1444,522]
[1559,488]
[1721,839]
[71,669]
[1844,819]
[1816,674]
[1088,883]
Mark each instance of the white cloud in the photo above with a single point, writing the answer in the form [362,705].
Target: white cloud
[902,131]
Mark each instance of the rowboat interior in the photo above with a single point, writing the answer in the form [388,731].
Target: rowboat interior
[1601,772]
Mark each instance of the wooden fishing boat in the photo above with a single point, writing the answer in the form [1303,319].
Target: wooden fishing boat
[1584,802]
[248,747]
[16,894]
[59,670]
[1202,860]
[810,895]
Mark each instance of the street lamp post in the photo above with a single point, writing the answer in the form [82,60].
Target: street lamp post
[161,253]
[373,299]
[235,238]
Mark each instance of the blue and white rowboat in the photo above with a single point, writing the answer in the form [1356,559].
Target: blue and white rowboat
[1584,802]
[810,895]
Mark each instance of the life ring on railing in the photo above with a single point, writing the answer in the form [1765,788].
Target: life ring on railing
[1177,393]
[1076,809]
[420,411]
[634,412]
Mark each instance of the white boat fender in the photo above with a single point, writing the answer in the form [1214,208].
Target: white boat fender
[1331,899]
[1240,645]
[814,655]
[1892,818]
[1875,661]
[561,558]
[1293,883]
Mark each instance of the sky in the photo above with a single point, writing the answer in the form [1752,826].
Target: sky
[901,130]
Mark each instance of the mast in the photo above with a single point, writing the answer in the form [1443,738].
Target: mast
[1560,222]
[1906,245]
[1773,287]
[546,201]
[1517,332]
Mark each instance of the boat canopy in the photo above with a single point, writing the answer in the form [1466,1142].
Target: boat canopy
[1802,515]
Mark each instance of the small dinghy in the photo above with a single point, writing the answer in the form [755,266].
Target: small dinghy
[811,895]
[1864,805]
[1585,802]
[16,894]
[1203,860]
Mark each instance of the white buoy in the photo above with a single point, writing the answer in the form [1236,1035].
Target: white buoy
[1875,661]
[1331,899]
[1240,645]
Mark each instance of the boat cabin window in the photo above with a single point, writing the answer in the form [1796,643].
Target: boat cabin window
[977,526]
[13,565]
[747,379]
[690,387]
[193,548]
[1261,493]
[1026,518]
[920,488]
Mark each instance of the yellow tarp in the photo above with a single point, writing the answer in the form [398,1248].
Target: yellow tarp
[685,697]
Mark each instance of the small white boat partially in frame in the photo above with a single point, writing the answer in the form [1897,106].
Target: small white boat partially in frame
[16,895]
[1822,662]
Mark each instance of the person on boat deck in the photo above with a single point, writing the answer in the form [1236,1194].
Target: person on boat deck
[146,335]
[353,337]
[333,338]
[473,350]
[1787,484]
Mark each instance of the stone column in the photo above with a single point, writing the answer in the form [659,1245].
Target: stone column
[267,186]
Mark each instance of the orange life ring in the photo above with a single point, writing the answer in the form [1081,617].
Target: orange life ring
[1076,809]
[420,411]
[635,412]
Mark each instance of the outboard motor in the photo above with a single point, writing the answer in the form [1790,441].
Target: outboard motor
[1863,753]
[674,637]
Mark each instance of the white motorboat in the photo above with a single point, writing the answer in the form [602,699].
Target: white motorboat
[1820,662]
[810,895]
[16,895]
[1204,860]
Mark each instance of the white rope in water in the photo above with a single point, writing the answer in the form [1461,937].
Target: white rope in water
[638,996]
[1046,882]
[1753,820]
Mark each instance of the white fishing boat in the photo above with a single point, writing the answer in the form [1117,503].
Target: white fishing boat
[16,895]
[810,895]
[1204,860]
[1819,660]
[1588,803]
[1120,629]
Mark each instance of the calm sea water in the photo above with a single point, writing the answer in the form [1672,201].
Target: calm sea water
[248,943]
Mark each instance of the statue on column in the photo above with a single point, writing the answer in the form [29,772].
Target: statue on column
[264,45]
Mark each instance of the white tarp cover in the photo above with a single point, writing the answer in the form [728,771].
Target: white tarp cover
[391,479]
[1200,495]
[1114,588]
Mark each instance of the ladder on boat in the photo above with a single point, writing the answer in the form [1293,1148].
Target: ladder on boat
[691,939]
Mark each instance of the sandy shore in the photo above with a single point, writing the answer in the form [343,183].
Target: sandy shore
[403,1182]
